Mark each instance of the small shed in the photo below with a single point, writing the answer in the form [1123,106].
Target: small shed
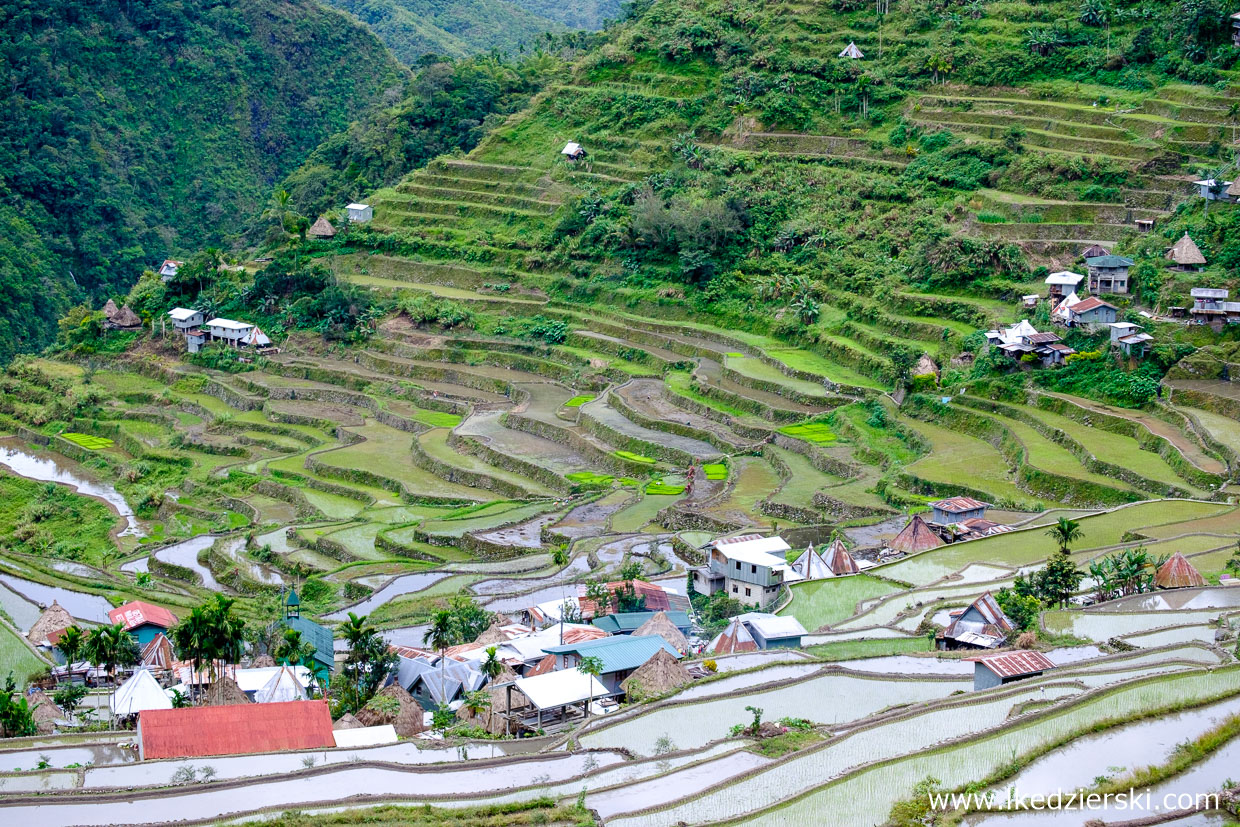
[409,720]
[915,537]
[735,638]
[1178,573]
[772,631]
[957,509]
[573,151]
[322,228]
[852,52]
[657,676]
[1129,338]
[996,670]
[1186,256]
[359,213]
[982,625]
[554,696]
[839,561]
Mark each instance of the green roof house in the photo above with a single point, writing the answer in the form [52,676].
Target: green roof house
[319,636]
[621,655]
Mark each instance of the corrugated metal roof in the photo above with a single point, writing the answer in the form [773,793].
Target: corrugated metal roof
[914,537]
[1092,303]
[320,636]
[233,730]
[137,613]
[621,622]
[959,505]
[735,638]
[1178,573]
[1014,664]
[617,653]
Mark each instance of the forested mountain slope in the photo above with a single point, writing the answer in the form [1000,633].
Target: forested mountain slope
[413,29]
[136,131]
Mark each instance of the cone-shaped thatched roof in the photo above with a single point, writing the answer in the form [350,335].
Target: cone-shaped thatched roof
[1186,252]
[408,722]
[322,228]
[660,625]
[125,317]
[657,676]
[225,692]
[45,712]
[1177,573]
[925,366]
[347,721]
[110,309]
[54,618]
[915,537]
[263,661]
[492,636]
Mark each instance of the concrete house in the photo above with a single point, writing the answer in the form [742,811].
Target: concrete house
[168,270]
[1108,274]
[1092,313]
[1009,667]
[1129,338]
[359,213]
[184,319]
[1060,284]
[956,509]
[143,620]
[750,568]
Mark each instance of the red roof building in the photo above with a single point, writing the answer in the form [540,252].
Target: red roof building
[735,638]
[996,670]
[199,731]
[1177,573]
[136,613]
[657,599]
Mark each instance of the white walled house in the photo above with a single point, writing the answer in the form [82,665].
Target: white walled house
[168,270]
[183,318]
[228,330]
[359,213]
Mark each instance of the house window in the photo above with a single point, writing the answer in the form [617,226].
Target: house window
[734,590]
[753,569]
[738,565]
[747,593]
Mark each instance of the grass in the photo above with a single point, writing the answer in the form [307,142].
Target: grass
[538,811]
[818,433]
[589,478]
[715,471]
[88,441]
[958,458]
[579,400]
[761,371]
[632,457]
[664,489]
[821,603]
[804,481]
[437,419]
[791,741]
[17,657]
[881,647]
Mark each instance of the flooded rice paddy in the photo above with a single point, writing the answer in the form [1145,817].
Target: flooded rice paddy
[59,470]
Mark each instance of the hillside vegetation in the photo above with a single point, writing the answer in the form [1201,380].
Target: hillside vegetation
[138,131]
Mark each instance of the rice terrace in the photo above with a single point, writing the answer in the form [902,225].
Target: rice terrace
[705,412]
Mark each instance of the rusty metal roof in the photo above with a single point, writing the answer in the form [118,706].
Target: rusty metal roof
[959,505]
[233,730]
[914,537]
[1015,664]
[1178,573]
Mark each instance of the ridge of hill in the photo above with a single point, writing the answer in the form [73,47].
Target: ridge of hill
[145,130]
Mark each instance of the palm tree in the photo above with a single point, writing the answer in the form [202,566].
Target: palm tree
[439,636]
[110,647]
[559,557]
[592,667]
[1065,532]
[70,645]
[476,702]
[290,651]
[492,666]
[280,209]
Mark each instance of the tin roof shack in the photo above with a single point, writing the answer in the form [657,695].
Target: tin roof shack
[1129,338]
[955,509]
[1060,284]
[573,151]
[996,670]
[1094,250]
[195,732]
[735,638]
[1092,313]
[168,270]
[1108,274]
[983,625]
[750,568]
[620,655]
[143,620]
[1213,189]
[773,632]
[552,701]
[627,623]
[1186,256]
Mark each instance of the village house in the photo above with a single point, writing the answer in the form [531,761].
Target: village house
[322,229]
[1091,314]
[627,623]
[1144,225]
[319,636]
[236,334]
[168,270]
[750,568]
[620,654]
[1057,282]
[573,151]
[143,620]
[1108,274]
[852,52]
[653,598]
[359,213]
[1210,306]
[1129,338]
[438,682]
[996,670]
[1235,29]
[1093,251]
[1023,338]
[956,509]
[982,625]
[957,519]
[772,631]
[915,537]
[237,729]
[1186,256]
[1212,189]
[120,318]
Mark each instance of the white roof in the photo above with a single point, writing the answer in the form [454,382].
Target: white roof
[282,687]
[1123,325]
[1208,293]
[358,207]
[1063,277]
[229,324]
[257,337]
[852,51]
[257,677]
[571,148]
[180,314]
[555,689]
[530,647]
[753,549]
[1031,296]
[1209,182]
[367,736]
[140,692]
[1069,301]
[772,626]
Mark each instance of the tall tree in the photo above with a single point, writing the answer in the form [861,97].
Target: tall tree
[70,644]
[439,636]
[590,666]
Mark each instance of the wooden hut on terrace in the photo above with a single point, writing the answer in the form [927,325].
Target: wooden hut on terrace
[735,638]
[657,676]
[45,712]
[497,718]
[407,717]
[915,537]
[983,625]
[322,228]
[1186,256]
[1177,573]
[660,625]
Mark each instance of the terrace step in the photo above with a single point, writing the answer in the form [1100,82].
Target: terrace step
[419,192]
[1044,140]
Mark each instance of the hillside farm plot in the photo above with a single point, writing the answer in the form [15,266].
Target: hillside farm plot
[820,603]
[385,452]
[959,459]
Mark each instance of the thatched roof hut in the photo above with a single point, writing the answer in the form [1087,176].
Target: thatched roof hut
[110,309]
[915,537]
[347,721]
[408,721]
[225,692]
[493,636]
[663,627]
[45,712]
[1178,573]
[322,228]
[125,318]
[657,676]
[495,720]
[263,661]
[1186,253]
[926,366]
[54,619]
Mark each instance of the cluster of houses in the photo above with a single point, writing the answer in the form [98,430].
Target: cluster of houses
[199,332]
[752,569]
